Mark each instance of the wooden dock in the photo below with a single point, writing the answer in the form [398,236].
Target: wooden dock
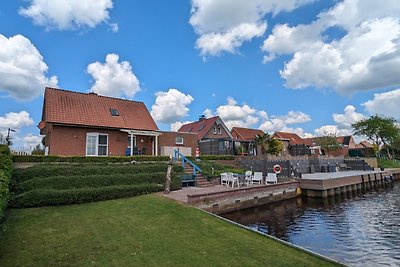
[325,185]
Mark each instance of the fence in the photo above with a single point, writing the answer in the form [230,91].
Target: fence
[21,150]
[216,147]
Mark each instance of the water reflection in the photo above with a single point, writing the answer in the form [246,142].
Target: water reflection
[356,229]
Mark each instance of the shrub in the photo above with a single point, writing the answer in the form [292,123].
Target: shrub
[79,159]
[47,170]
[43,197]
[214,157]
[5,175]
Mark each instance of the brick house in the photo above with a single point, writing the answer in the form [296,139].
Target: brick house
[185,143]
[244,139]
[293,144]
[86,124]
[213,136]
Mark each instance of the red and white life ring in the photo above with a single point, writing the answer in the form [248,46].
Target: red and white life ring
[277,169]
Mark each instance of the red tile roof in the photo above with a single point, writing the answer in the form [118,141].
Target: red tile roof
[201,127]
[245,134]
[88,109]
[293,138]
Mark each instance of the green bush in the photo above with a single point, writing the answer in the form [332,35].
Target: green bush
[51,197]
[213,157]
[92,181]
[79,159]
[5,175]
[47,170]
[207,169]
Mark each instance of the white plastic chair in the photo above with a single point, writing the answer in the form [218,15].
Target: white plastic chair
[224,179]
[247,177]
[257,177]
[232,179]
[271,178]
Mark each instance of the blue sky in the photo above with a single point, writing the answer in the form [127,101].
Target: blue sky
[301,66]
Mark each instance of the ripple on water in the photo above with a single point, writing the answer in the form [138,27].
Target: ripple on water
[359,231]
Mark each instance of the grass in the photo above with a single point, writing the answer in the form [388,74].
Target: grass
[208,166]
[142,231]
[388,163]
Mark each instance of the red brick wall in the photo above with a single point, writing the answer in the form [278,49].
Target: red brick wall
[71,141]
[168,139]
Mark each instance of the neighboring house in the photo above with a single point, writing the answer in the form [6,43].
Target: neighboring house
[345,142]
[86,124]
[213,136]
[293,144]
[244,140]
[185,143]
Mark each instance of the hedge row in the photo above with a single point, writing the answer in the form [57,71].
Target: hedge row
[47,170]
[92,181]
[5,175]
[44,197]
[213,157]
[79,159]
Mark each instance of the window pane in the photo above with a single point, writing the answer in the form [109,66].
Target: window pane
[91,145]
[102,139]
[102,150]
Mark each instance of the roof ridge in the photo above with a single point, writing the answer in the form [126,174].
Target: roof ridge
[92,93]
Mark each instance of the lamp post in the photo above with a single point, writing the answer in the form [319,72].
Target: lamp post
[8,136]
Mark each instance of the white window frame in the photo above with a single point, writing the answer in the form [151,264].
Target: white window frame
[97,144]
[134,141]
[219,130]
[179,142]
[215,130]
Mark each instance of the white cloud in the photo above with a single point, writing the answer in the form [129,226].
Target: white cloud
[177,125]
[235,115]
[349,117]
[224,25]
[343,122]
[15,121]
[22,69]
[71,14]
[208,113]
[281,123]
[387,104]
[31,140]
[365,55]
[113,78]
[171,106]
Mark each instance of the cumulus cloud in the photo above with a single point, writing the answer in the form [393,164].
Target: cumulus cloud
[15,121]
[386,104]
[177,125]
[66,15]
[237,115]
[171,106]
[224,25]
[283,123]
[31,140]
[22,69]
[365,54]
[208,113]
[343,122]
[113,78]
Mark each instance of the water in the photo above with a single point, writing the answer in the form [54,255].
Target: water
[357,230]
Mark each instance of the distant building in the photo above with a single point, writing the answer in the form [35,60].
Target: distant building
[213,136]
[244,140]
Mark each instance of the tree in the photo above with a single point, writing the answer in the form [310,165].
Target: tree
[38,150]
[379,130]
[328,143]
[275,147]
[262,142]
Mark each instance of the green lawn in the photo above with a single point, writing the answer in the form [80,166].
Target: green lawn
[141,231]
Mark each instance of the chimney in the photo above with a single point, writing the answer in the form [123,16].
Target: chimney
[202,117]
[92,93]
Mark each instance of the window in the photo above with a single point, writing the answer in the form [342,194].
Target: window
[215,130]
[179,140]
[219,130]
[129,141]
[96,144]
[201,127]
[114,112]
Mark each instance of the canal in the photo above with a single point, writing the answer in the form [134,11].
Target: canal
[357,230]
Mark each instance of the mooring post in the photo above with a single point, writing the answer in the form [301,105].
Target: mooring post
[168,178]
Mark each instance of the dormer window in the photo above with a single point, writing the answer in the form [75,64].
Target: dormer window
[114,112]
[215,130]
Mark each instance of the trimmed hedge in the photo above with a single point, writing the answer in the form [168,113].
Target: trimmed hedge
[47,170]
[79,159]
[51,197]
[92,181]
[5,175]
[213,157]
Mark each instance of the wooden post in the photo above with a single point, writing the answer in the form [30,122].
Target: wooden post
[168,178]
